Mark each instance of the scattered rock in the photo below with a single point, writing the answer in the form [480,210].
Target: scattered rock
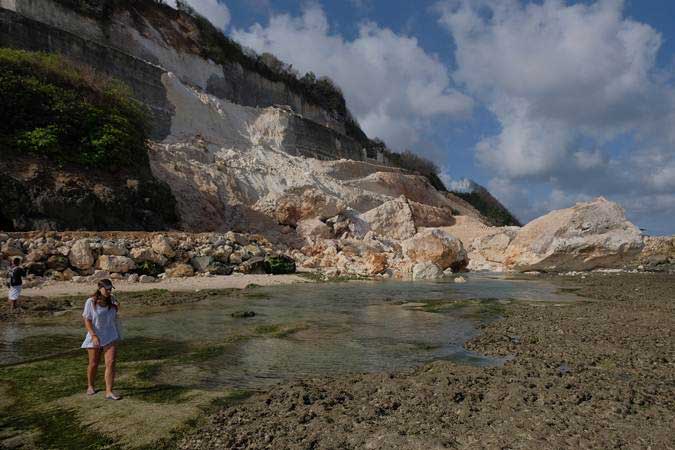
[218,268]
[179,270]
[426,271]
[162,246]
[113,249]
[243,314]
[254,265]
[201,263]
[81,256]
[459,279]
[133,278]
[147,254]
[100,275]
[12,247]
[120,264]
[58,262]
[147,279]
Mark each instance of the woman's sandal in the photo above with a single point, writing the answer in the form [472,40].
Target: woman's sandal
[112,397]
[91,391]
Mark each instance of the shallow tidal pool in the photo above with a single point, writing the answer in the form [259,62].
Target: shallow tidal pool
[193,356]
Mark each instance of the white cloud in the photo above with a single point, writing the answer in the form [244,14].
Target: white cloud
[582,106]
[218,13]
[391,84]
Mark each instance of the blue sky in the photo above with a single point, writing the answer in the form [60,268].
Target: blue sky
[544,102]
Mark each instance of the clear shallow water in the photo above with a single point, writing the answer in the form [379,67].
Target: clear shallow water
[336,328]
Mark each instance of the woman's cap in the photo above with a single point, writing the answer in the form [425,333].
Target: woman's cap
[106,283]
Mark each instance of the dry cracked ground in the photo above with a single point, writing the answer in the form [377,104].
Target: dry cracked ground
[597,373]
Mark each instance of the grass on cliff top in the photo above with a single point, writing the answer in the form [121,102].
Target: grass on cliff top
[69,112]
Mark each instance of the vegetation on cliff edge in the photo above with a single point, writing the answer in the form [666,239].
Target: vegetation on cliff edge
[68,112]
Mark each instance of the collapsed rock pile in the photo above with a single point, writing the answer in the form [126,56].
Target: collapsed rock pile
[140,257]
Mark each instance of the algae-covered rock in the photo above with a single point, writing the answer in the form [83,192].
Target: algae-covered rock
[278,265]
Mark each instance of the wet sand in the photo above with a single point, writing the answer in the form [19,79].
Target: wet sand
[598,373]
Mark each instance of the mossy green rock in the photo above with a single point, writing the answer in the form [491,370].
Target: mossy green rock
[279,265]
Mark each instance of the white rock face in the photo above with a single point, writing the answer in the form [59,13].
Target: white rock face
[81,255]
[426,271]
[115,264]
[229,166]
[586,236]
[436,246]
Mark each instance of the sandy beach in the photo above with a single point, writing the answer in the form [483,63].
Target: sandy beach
[234,281]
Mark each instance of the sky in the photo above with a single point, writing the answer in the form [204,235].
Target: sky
[544,102]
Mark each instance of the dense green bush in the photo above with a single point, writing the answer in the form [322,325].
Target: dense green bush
[55,107]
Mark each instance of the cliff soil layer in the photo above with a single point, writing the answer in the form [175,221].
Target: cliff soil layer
[591,374]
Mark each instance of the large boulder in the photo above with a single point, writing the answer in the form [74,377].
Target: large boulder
[436,246]
[142,254]
[431,216]
[488,252]
[113,248]
[12,247]
[162,246]
[586,236]
[658,252]
[426,271]
[392,219]
[314,228]
[201,263]
[58,262]
[292,208]
[115,264]
[81,256]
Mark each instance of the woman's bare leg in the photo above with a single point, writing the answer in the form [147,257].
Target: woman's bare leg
[110,353]
[94,357]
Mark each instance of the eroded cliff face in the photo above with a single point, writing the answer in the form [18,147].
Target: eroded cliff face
[160,36]
[242,153]
[228,158]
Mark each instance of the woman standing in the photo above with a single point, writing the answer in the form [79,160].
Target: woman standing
[100,320]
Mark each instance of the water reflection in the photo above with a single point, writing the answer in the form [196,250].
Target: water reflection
[337,328]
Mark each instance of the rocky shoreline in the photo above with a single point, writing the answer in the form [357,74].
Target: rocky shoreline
[84,257]
[597,373]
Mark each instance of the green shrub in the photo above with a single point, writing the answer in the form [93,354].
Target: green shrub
[55,107]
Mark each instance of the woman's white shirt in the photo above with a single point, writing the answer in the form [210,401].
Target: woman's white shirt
[104,322]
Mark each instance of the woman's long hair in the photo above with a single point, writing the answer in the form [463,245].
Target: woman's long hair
[100,299]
